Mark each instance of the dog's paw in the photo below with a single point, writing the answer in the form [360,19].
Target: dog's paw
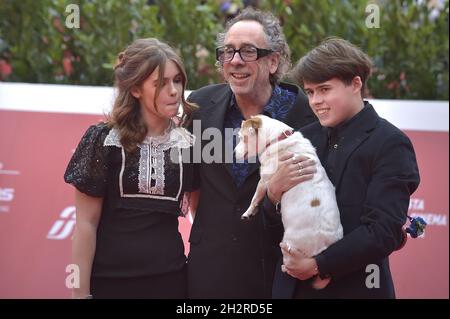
[248,214]
[319,283]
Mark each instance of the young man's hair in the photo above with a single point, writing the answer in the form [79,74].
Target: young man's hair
[333,58]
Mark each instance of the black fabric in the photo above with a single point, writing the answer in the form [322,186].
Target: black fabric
[229,257]
[165,286]
[336,136]
[136,236]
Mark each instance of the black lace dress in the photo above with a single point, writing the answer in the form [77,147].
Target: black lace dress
[137,237]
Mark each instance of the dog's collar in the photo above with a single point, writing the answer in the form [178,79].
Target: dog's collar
[281,137]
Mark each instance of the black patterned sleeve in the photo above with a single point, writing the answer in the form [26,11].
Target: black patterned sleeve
[88,167]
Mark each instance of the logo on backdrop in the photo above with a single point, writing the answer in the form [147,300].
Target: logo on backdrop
[63,227]
[6,193]
[4,171]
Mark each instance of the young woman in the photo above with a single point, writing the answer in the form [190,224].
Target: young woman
[129,182]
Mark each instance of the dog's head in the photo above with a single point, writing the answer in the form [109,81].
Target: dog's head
[248,138]
[256,133]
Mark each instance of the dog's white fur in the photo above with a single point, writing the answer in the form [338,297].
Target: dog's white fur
[309,211]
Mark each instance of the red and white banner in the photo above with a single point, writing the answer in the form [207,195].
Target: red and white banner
[40,126]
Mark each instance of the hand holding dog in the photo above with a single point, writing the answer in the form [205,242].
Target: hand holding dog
[296,264]
[292,170]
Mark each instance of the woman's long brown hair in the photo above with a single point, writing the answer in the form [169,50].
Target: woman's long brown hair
[134,66]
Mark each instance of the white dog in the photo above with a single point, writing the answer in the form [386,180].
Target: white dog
[309,210]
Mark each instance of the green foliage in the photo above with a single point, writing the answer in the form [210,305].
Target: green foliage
[191,27]
[24,35]
[106,29]
[409,49]
[42,49]
[413,46]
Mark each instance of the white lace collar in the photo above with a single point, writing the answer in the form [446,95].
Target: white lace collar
[173,136]
[152,160]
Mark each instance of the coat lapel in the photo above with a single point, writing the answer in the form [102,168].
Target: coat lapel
[359,133]
[320,143]
[215,117]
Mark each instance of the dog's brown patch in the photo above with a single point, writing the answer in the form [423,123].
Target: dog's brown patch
[315,202]
[254,122]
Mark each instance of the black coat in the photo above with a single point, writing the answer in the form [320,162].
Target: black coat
[375,174]
[230,258]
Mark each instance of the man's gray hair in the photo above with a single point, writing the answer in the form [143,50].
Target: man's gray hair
[275,38]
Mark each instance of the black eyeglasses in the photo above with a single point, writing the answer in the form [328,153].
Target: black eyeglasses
[248,53]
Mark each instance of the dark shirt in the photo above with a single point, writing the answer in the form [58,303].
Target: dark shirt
[278,107]
[336,135]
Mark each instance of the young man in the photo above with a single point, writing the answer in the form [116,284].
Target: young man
[373,168]
[231,258]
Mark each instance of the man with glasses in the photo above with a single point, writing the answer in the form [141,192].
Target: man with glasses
[231,258]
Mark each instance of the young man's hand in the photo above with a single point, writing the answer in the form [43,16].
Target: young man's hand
[296,264]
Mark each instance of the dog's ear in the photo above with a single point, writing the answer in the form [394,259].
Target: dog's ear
[252,125]
[254,122]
